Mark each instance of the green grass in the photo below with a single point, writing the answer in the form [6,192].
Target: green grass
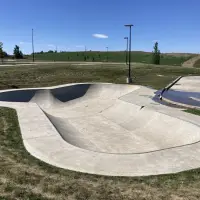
[141,57]
[49,75]
[193,111]
[24,177]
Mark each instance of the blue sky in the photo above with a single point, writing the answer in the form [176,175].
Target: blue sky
[71,24]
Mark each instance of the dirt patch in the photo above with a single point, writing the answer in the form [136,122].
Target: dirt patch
[191,62]
[4,124]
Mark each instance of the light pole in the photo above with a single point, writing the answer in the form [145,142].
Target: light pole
[129,80]
[126,38]
[107,53]
[33,47]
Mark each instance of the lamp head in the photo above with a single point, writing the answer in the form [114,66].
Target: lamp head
[128,25]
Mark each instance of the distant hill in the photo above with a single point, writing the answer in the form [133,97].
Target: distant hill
[114,56]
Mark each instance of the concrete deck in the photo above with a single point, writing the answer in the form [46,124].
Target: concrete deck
[105,129]
[186,92]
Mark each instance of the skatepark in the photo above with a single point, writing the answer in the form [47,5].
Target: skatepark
[99,100]
[108,129]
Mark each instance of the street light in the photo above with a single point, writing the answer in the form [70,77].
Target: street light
[126,38]
[129,80]
[107,53]
[33,47]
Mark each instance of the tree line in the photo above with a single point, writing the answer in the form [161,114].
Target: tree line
[17,53]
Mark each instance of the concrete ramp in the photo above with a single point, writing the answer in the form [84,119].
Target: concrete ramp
[45,99]
[122,128]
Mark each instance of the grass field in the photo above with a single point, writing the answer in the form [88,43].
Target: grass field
[23,177]
[142,57]
[54,74]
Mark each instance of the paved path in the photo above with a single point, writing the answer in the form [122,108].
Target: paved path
[105,129]
[10,64]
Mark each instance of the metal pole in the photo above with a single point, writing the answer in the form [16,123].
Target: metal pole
[33,47]
[129,73]
[129,80]
[126,38]
[127,52]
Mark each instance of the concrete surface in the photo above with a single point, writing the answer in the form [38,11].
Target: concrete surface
[105,129]
[186,92]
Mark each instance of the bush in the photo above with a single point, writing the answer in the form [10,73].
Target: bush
[17,53]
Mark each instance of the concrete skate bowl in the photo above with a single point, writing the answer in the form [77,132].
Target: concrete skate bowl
[97,118]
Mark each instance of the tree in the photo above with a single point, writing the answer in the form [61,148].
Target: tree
[1,52]
[17,53]
[156,54]
[5,54]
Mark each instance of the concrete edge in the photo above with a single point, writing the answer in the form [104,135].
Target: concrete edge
[180,104]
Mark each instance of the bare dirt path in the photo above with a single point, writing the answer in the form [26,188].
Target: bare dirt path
[191,62]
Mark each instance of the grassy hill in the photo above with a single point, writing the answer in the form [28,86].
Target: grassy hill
[137,56]
[197,63]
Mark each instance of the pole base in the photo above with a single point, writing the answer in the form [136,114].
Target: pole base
[128,80]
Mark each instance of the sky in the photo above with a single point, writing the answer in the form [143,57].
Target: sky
[70,25]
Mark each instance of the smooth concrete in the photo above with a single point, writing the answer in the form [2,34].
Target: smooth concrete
[188,84]
[105,129]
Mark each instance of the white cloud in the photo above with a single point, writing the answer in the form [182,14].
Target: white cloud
[51,45]
[80,46]
[24,43]
[102,36]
